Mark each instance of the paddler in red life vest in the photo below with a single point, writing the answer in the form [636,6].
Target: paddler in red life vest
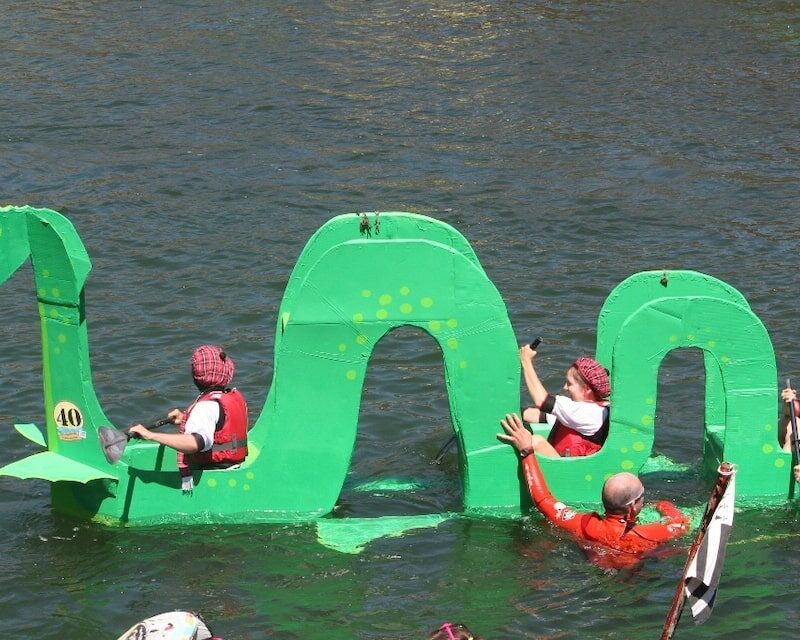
[213,430]
[614,540]
[579,420]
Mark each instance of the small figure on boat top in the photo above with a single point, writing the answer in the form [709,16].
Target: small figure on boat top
[614,540]
[213,429]
[580,419]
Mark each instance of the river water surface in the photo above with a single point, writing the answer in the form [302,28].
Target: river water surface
[196,146]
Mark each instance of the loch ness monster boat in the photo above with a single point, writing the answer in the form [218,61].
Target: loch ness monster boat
[421,273]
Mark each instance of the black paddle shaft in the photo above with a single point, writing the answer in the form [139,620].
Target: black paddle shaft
[446,446]
[113,440]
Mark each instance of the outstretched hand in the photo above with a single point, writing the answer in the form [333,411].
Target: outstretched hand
[515,432]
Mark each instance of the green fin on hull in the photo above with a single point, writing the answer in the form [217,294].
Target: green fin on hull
[350,535]
[31,432]
[53,467]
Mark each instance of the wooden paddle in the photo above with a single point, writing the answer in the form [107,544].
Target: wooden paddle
[115,440]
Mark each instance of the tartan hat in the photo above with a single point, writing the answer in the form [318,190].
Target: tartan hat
[211,367]
[595,375]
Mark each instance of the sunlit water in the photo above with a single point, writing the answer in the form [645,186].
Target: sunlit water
[197,146]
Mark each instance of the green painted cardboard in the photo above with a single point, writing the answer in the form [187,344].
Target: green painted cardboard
[327,328]
[349,288]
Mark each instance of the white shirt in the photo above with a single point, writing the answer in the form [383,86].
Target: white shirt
[584,417]
[203,421]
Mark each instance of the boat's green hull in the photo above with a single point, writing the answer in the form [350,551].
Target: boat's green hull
[347,290]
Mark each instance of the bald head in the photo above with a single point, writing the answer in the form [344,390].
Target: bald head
[620,491]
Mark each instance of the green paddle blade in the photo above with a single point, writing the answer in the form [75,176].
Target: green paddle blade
[53,467]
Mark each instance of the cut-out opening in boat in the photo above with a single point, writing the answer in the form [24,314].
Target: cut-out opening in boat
[680,423]
[404,420]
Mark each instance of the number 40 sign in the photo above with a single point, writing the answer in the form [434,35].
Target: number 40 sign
[69,421]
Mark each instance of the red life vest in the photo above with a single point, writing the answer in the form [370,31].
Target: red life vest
[230,436]
[569,443]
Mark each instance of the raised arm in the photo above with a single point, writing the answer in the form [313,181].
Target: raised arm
[556,512]
[535,387]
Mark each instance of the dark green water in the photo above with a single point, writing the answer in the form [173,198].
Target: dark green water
[197,145]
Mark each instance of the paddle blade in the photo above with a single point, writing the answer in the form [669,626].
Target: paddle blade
[113,442]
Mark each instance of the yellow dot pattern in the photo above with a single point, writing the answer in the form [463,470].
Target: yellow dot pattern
[384,312]
[780,463]
[232,483]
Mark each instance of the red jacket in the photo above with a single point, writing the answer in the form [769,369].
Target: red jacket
[608,540]
[230,437]
[568,442]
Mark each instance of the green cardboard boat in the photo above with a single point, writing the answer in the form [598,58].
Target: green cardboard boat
[359,277]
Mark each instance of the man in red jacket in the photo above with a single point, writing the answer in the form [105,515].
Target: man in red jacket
[613,540]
